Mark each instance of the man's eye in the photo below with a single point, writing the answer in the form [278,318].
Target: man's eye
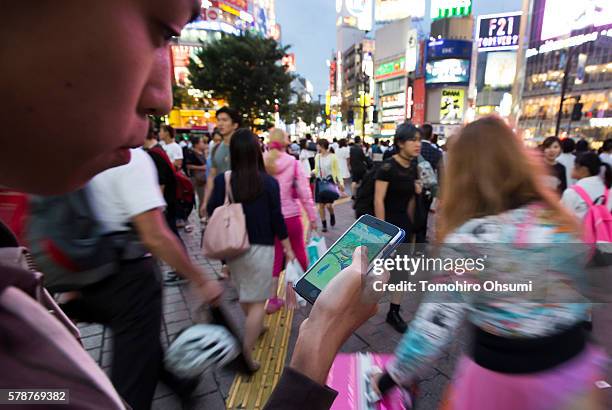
[168,34]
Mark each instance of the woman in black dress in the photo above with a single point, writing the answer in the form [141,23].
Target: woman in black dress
[394,196]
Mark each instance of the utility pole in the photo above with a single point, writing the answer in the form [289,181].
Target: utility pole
[568,64]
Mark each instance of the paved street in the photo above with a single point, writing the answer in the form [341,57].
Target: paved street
[374,336]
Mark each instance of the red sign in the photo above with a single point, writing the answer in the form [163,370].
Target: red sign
[418,100]
[180,55]
[332,76]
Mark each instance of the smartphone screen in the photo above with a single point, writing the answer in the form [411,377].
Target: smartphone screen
[369,231]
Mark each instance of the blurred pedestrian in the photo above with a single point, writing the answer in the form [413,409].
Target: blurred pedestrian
[127,202]
[343,154]
[304,157]
[196,166]
[582,146]
[526,353]
[358,163]
[167,135]
[594,178]
[328,181]
[606,151]
[567,158]
[228,121]
[259,195]
[295,194]
[395,192]
[556,177]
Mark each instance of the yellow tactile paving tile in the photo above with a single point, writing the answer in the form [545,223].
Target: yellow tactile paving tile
[252,392]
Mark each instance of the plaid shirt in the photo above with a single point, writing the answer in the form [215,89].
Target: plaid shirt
[431,153]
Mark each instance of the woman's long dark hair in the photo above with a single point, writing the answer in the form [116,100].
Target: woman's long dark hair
[247,165]
[591,161]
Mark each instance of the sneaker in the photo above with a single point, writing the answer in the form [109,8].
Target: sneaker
[274,305]
[396,321]
[173,279]
[332,219]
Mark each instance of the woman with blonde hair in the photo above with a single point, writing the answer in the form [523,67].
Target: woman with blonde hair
[295,194]
[529,350]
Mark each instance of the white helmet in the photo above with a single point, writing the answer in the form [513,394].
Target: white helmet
[201,348]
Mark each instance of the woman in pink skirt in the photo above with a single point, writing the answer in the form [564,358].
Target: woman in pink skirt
[295,195]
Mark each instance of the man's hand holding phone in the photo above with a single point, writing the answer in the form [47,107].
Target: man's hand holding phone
[344,305]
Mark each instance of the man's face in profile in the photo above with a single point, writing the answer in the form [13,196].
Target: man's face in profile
[83,76]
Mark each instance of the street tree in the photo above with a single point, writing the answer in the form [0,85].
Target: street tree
[246,71]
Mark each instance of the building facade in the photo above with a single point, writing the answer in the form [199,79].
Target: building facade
[575,41]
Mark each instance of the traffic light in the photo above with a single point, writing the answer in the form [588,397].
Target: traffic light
[375,116]
[577,112]
[350,117]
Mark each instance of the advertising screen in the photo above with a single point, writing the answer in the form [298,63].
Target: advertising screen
[451,106]
[389,10]
[561,17]
[441,49]
[449,71]
[498,31]
[500,69]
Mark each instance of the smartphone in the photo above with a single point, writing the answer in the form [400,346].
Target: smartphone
[379,236]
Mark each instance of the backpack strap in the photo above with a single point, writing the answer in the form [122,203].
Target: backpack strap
[583,194]
[229,197]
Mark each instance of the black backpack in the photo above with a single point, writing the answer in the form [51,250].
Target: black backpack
[364,197]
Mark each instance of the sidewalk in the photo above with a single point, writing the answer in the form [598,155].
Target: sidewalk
[375,335]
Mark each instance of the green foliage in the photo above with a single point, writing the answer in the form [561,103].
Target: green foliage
[245,71]
[308,112]
[181,99]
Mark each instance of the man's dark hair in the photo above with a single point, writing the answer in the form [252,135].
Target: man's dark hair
[568,145]
[233,114]
[335,139]
[342,142]
[607,145]
[376,141]
[195,140]
[582,146]
[357,139]
[170,130]
[309,137]
[427,131]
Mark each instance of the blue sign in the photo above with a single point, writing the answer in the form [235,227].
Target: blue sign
[441,49]
[449,71]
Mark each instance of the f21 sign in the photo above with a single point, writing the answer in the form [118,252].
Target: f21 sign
[499,31]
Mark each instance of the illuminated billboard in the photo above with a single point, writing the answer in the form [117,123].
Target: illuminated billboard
[450,8]
[390,10]
[496,32]
[451,106]
[500,70]
[355,13]
[449,71]
[560,18]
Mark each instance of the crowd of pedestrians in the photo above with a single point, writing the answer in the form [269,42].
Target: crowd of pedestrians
[110,201]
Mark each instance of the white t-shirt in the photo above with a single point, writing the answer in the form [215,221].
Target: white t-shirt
[335,146]
[174,151]
[119,194]
[567,160]
[605,157]
[593,186]
[304,155]
[343,155]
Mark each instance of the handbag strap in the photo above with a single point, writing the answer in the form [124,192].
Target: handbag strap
[229,197]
